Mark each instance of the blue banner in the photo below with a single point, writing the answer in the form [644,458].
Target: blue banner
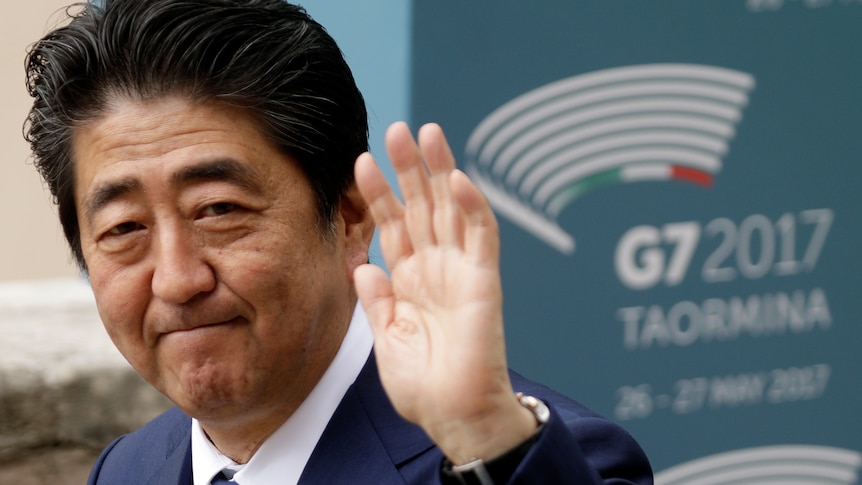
[677,189]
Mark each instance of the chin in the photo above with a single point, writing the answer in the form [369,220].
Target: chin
[211,394]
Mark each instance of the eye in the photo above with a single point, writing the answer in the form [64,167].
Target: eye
[124,228]
[218,209]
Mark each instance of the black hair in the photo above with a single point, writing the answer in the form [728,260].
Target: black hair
[266,56]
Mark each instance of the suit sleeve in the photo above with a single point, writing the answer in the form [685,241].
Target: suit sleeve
[583,450]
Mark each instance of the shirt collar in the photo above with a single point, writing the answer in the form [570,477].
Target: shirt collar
[282,457]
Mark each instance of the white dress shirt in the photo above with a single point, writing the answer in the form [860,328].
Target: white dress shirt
[282,457]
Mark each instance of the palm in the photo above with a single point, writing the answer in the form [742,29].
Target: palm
[444,329]
[438,320]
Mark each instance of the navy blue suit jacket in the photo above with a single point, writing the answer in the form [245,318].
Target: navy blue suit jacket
[366,441]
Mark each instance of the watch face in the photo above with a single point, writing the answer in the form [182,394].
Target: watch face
[536,406]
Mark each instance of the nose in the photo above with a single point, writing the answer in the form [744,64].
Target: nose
[181,272]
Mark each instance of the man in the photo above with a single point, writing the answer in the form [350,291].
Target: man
[203,156]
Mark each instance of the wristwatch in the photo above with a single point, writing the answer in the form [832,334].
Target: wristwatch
[501,468]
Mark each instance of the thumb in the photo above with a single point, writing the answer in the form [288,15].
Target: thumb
[375,292]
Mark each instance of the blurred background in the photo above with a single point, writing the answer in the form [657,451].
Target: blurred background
[32,242]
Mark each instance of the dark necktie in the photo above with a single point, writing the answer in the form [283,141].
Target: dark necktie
[221,480]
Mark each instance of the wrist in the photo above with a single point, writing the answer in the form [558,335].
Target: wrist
[501,467]
[485,436]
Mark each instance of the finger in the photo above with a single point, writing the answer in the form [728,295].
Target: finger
[386,209]
[435,149]
[481,232]
[375,292]
[447,218]
[413,181]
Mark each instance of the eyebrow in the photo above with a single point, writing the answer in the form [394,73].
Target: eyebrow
[221,170]
[107,192]
[225,170]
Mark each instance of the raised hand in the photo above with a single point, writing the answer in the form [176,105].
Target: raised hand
[437,323]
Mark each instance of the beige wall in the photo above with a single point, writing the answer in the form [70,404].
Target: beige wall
[31,241]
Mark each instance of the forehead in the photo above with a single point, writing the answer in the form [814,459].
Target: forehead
[133,129]
[163,135]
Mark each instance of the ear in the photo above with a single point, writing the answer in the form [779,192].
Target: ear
[358,228]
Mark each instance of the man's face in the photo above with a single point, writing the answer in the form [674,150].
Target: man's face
[211,270]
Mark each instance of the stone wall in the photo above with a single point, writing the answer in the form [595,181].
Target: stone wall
[65,391]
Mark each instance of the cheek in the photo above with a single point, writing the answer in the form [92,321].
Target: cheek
[282,280]
[266,278]
[121,298]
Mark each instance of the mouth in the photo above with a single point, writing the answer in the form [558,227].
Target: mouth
[205,328]
[203,339]
[195,344]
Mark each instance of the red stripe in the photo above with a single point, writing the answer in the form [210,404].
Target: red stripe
[691,175]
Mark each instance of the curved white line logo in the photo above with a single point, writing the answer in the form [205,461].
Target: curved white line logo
[769,465]
[537,153]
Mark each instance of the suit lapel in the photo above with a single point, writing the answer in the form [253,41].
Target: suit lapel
[177,468]
[366,440]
